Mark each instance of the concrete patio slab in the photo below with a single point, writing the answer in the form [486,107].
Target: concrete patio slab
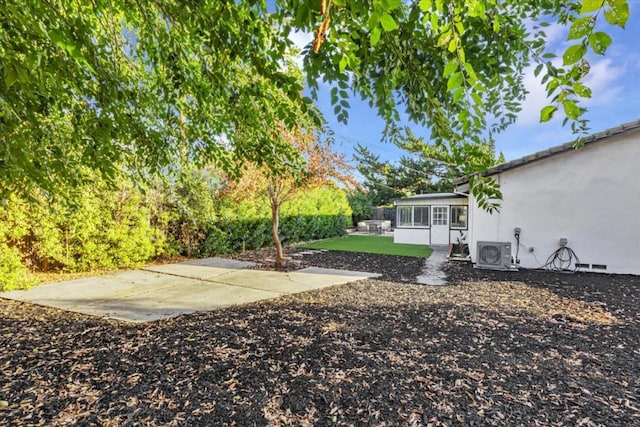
[169,290]
[320,270]
[220,262]
[285,283]
[198,272]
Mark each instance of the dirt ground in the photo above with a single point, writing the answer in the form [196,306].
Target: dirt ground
[493,348]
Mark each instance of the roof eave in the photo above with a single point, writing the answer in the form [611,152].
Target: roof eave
[558,149]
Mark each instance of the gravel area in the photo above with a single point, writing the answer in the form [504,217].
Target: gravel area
[493,348]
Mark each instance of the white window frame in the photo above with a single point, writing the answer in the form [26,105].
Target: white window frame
[399,219]
[412,223]
[443,216]
[424,216]
[466,220]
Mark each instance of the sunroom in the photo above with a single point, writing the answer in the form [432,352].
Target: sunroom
[431,219]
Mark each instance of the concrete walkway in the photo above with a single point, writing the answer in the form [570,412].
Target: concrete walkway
[432,273]
[165,291]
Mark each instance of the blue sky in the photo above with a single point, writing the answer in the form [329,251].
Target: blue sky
[614,79]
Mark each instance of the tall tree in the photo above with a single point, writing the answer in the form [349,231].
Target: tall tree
[361,203]
[454,66]
[462,162]
[385,181]
[110,85]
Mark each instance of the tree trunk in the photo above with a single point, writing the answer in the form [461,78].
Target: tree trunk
[275,225]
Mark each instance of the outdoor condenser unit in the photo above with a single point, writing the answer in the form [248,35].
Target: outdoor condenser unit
[494,256]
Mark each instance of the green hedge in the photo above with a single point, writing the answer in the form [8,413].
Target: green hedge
[110,228]
[13,274]
[317,213]
[227,236]
[103,229]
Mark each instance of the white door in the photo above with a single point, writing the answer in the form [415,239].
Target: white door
[440,225]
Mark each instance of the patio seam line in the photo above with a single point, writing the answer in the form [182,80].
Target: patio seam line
[308,287]
[213,281]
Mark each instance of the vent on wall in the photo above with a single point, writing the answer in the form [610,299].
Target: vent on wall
[494,256]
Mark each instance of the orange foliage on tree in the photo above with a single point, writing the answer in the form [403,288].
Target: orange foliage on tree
[318,165]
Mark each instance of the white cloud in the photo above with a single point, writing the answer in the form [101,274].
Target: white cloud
[555,32]
[604,79]
[300,38]
[536,98]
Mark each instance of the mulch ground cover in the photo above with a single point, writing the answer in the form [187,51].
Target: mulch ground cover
[391,267]
[493,348]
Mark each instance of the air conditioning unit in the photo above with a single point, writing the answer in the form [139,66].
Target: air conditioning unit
[494,256]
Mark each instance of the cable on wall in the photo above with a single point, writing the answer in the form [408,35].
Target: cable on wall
[561,260]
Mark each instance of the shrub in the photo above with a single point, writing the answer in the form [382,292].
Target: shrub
[107,227]
[362,206]
[316,213]
[13,274]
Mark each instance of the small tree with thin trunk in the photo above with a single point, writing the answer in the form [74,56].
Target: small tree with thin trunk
[322,166]
[317,165]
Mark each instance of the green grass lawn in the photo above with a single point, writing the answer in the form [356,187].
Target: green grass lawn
[371,244]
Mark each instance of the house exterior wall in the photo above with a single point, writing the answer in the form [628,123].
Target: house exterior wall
[422,235]
[590,196]
[412,236]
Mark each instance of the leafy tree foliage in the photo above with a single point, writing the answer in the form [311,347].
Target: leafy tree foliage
[112,84]
[109,84]
[361,204]
[188,207]
[321,166]
[454,66]
[457,162]
[106,228]
[386,181]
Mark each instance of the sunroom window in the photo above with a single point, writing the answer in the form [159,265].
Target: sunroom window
[405,216]
[459,215]
[421,216]
[413,216]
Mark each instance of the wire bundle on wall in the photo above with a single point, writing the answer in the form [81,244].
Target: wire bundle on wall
[561,260]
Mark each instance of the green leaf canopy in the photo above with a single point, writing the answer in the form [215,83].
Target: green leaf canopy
[113,85]
[106,85]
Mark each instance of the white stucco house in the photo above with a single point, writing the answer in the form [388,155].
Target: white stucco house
[588,196]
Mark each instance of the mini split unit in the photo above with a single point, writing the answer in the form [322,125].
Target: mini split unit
[494,256]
